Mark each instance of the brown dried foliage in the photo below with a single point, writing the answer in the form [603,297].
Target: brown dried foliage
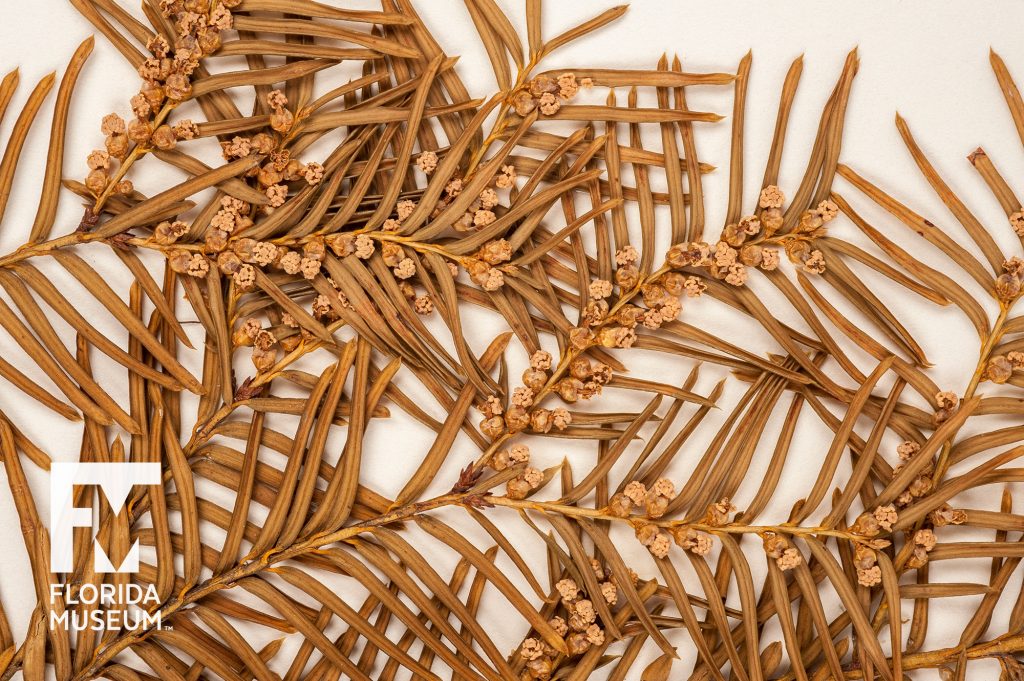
[433,202]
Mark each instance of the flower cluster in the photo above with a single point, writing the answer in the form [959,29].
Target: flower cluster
[577,623]
[547,94]
[234,254]
[780,549]
[1009,283]
[946,403]
[1001,367]
[529,478]
[483,210]
[655,502]
[754,242]
[924,542]
[484,267]
[694,541]
[919,486]
[882,519]
[280,166]
[522,413]
[946,515]
[1017,222]
[166,82]
[868,526]
[262,341]
[652,502]
[865,559]
[585,380]
[865,562]
[285,336]
[100,161]
[871,524]
[427,162]
[612,324]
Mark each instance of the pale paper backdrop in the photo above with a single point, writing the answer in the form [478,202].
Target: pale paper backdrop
[926,58]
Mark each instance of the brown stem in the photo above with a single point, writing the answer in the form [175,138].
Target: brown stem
[984,356]
[572,353]
[1004,645]
[249,568]
[732,528]
[501,123]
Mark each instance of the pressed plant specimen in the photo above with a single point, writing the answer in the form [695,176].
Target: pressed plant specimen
[334,260]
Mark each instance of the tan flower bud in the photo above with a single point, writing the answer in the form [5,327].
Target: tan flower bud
[178,87]
[1008,287]
[96,181]
[569,389]
[117,145]
[282,120]
[264,359]
[164,138]
[627,277]
[493,427]
[771,220]
[516,419]
[541,420]
[619,506]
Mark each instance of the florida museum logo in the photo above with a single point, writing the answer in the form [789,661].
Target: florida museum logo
[104,605]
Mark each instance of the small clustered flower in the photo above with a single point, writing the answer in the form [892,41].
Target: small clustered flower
[406,268]
[779,548]
[527,481]
[886,516]
[694,287]
[600,288]
[866,564]
[1017,222]
[946,515]
[815,262]
[277,194]
[245,277]
[246,334]
[427,161]
[692,540]
[771,197]
[522,397]
[313,173]
[653,501]
[1010,283]
[540,360]
[281,119]
[363,247]
[718,513]
[567,590]
[423,305]
[198,266]
[924,542]
[167,233]
[656,541]
[506,178]
[626,256]
[495,252]
[545,93]
[906,450]
[946,403]
[870,524]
